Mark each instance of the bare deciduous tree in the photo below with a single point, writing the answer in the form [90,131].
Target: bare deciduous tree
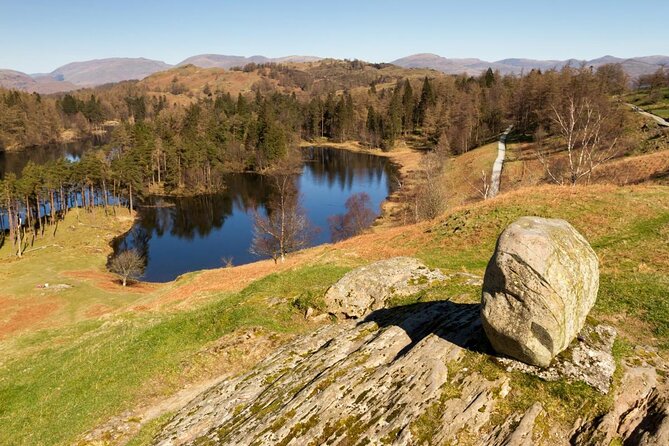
[286,227]
[484,188]
[358,217]
[430,199]
[128,265]
[590,131]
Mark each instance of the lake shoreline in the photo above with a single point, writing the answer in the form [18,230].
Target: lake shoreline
[406,161]
[215,207]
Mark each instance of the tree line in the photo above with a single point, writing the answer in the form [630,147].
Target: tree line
[33,203]
[159,146]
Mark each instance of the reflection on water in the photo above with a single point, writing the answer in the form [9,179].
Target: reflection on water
[16,161]
[178,235]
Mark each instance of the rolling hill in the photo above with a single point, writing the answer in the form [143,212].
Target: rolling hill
[82,74]
[44,84]
[224,61]
[104,71]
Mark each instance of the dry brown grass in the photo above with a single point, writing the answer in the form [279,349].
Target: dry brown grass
[194,80]
[523,168]
[21,314]
[463,174]
[652,167]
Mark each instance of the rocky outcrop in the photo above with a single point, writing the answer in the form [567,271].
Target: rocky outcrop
[369,287]
[639,415]
[411,375]
[589,359]
[398,377]
[538,288]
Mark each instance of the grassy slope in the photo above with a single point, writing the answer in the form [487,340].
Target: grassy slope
[658,103]
[56,384]
[338,74]
[81,243]
[76,377]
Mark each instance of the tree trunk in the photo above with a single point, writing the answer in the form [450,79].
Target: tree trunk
[28,212]
[38,221]
[104,193]
[116,200]
[63,204]
[130,196]
[52,199]
[11,219]
[20,236]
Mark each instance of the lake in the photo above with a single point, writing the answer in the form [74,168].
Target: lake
[14,162]
[182,234]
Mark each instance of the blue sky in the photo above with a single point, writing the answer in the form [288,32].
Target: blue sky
[40,35]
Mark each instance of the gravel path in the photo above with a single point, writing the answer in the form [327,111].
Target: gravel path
[663,122]
[499,163]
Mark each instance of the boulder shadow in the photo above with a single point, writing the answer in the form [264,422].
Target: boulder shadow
[457,323]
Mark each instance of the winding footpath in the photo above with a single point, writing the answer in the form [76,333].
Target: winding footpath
[499,163]
[661,121]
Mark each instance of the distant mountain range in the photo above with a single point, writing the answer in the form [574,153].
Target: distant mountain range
[41,84]
[634,67]
[102,71]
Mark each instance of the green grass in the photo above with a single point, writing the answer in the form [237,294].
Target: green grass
[662,112]
[149,430]
[629,231]
[51,397]
[56,384]
[81,243]
[656,102]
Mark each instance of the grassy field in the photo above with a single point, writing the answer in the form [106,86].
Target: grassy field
[656,102]
[57,383]
[72,360]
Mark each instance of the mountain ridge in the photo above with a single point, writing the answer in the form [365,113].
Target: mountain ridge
[94,72]
[633,66]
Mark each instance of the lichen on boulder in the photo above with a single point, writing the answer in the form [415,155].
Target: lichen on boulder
[370,287]
[538,289]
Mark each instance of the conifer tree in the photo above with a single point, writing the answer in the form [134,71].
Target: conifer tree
[408,108]
[427,99]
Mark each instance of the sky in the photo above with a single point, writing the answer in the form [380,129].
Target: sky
[41,35]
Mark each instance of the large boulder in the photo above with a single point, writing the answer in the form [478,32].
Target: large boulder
[369,287]
[538,288]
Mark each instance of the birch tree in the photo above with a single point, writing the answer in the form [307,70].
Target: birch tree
[285,227]
[589,130]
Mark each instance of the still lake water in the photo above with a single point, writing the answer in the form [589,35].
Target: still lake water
[178,235]
[14,162]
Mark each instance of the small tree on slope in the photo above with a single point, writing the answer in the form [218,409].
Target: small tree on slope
[127,265]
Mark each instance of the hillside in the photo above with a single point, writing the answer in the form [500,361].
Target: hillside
[634,67]
[223,61]
[17,80]
[104,71]
[91,73]
[77,75]
[186,83]
[156,346]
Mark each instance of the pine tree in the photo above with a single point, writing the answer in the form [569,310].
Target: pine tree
[489,78]
[427,99]
[407,108]
[393,123]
